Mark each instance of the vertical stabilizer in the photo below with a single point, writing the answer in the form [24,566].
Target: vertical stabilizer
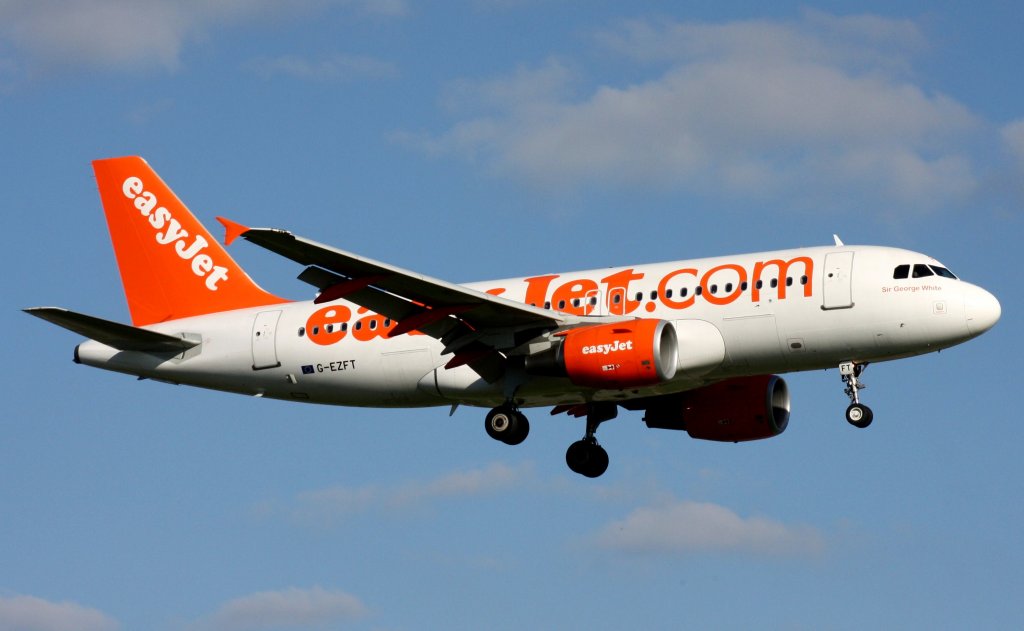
[170,265]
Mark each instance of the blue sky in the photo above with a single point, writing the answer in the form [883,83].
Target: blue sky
[489,139]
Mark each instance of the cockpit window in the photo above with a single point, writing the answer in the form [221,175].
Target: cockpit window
[920,271]
[943,272]
[901,271]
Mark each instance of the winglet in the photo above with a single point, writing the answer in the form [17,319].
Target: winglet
[232,230]
[839,242]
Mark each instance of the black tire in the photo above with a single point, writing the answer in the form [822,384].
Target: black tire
[587,458]
[576,456]
[598,462]
[520,430]
[506,425]
[859,415]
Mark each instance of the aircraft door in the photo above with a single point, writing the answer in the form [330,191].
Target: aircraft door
[837,281]
[264,342]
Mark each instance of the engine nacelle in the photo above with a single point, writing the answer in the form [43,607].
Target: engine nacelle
[612,356]
[735,410]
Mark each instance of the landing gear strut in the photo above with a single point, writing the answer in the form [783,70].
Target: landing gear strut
[858,414]
[507,424]
[586,456]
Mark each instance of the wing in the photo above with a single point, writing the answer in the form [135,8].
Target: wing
[473,325]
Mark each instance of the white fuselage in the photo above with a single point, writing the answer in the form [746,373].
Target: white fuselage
[749,314]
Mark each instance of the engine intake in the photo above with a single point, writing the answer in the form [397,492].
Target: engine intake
[611,356]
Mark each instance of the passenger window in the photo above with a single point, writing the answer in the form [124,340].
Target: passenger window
[714,289]
[373,325]
[774,283]
[683,292]
[920,271]
[759,284]
[359,325]
[547,305]
[302,331]
[789,281]
[593,301]
[699,290]
[803,280]
[344,326]
[728,288]
[901,271]
[639,296]
[561,305]
[668,293]
[316,330]
[330,328]
[743,286]
[617,298]
[943,272]
[575,302]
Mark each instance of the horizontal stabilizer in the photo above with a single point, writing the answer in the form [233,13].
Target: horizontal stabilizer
[114,334]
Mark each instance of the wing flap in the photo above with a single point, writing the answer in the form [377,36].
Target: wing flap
[114,334]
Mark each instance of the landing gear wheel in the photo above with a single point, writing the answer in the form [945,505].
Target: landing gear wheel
[507,425]
[587,458]
[859,415]
[520,429]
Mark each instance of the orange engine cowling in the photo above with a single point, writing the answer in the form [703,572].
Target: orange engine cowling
[612,356]
[735,410]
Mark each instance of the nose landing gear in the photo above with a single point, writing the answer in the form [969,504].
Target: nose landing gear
[857,414]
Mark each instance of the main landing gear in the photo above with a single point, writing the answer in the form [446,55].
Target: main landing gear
[858,414]
[586,457]
[507,424]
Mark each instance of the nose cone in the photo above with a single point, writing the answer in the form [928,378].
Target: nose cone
[982,310]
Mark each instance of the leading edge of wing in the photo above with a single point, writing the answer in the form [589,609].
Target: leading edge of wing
[478,309]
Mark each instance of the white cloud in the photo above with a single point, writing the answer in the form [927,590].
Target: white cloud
[806,110]
[292,608]
[819,36]
[142,33]
[1013,138]
[28,613]
[326,506]
[685,527]
[338,67]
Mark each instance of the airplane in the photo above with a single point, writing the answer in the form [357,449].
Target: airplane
[695,345]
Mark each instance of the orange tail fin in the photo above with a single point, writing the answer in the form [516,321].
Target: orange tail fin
[170,265]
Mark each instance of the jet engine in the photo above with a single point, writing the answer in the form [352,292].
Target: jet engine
[735,410]
[611,356]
